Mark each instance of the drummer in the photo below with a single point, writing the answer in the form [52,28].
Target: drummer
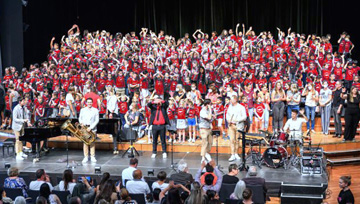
[294,125]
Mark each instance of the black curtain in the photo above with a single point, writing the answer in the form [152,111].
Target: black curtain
[177,17]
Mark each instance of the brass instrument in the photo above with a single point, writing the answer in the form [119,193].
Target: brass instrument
[79,131]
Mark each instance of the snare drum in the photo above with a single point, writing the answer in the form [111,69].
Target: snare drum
[283,137]
[275,157]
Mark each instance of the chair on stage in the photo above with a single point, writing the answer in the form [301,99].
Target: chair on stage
[225,191]
[140,198]
[63,195]
[230,201]
[13,192]
[259,196]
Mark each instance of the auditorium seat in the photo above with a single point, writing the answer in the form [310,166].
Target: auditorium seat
[225,191]
[13,192]
[140,199]
[258,194]
[63,196]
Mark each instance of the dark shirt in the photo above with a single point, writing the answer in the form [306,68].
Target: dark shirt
[355,103]
[230,179]
[182,178]
[345,197]
[337,100]
[256,181]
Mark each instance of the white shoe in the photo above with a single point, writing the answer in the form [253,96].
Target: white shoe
[85,160]
[313,131]
[207,157]
[164,155]
[19,157]
[26,148]
[23,154]
[170,140]
[93,160]
[153,156]
[232,158]
[237,157]
[149,141]
[193,140]
[189,140]
[203,160]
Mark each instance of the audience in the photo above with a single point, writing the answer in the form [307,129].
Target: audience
[156,196]
[137,186]
[209,183]
[238,191]
[125,197]
[247,196]
[14,181]
[67,183]
[182,177]
[231,177]
[46,193]
[127,174]
[173,194]
[75,200]
[85,191]
[253,180]
[41,200]
[161,182]
[20,200]
[104,178]
[197,195]
[108,192]
[3,198]
[41,178]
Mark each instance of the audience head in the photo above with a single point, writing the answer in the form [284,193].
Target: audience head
[233,169]
[41,200]
[344,181]
[209,168]
[252,171]
[212,195]
[239,189]
[40,174]
[173,196]
[182,166]
[161,175]
[124,194]
[67,178]
[197,194]
[247,194]
[156,194]
[75,200]
[137,174]
[104,178]
[20,200]
[209,179]
[45,190]
[134,162]
[13,172]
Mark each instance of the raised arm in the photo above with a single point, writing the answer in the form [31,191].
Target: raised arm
[52,43]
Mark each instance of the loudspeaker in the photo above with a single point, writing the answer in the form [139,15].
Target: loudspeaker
[128,134]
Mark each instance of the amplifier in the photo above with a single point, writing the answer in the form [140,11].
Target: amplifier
[311,165]
[312,151]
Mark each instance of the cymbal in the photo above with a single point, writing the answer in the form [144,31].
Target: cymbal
[266,132]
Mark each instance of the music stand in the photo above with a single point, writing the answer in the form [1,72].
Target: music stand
[131,147]
[172,165]
[243,166]
[217,134]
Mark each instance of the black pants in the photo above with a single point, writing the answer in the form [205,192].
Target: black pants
[352,116]
[337,120]
[159,130]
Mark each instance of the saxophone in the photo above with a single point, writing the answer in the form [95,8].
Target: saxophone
[79,131]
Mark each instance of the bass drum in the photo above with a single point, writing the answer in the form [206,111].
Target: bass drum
[274,157]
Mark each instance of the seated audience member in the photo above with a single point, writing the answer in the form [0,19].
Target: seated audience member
[85,190]
[137,186]
[14,181]
[212,197]
[41,200]
[125,198]
[196,194]
[46,193]
[75,200]
[253,180]
[239,189]
[247,196]
[183,177]
[41,177]
[173,193]
[20,200]
[108,192]
[127,174]
[67,184]
[156,196]
[104,178]
[3,198]
[161,182]
[209,183]
[231,177]
[209,169]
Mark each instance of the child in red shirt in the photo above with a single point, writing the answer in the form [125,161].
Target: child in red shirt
[123,108]
[219,111]
[259,114]
[39,108]
[181,121]
[191,119]
[53,104]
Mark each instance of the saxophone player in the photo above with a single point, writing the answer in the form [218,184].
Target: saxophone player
[89,117]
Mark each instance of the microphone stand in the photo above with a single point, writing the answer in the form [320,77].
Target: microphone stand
[172,152]
[243,166]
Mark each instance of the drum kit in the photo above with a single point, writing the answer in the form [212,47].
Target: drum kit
[276,155]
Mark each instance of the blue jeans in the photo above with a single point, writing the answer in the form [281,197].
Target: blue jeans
[290,108]
[310,110]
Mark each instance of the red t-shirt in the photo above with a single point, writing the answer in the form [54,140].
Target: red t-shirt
[218,109]
[181,113]
[123,107]
[94,97]
[191,113]
[259,108]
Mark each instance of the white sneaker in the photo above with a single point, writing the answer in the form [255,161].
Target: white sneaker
[93,160]
[232,158]
[313,131]
[85,160]
[189,140]
[237,157]
[19,157]
[164,155]
[149,141]
[153,156]
[207,157]
[26,148]
[203,160]
[170,140]
[23,154]
[193,140]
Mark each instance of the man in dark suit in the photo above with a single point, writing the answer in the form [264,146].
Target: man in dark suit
[253,180]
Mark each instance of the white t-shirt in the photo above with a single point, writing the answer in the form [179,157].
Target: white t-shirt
[127,174]
[157,185]
[70,187]
[295,127]
[324,96]
[35,185]
[69,97]
[137,187]
[309,100]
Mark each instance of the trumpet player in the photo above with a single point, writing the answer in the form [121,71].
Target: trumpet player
[89,117]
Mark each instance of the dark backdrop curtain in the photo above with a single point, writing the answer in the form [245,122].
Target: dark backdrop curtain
[177,17]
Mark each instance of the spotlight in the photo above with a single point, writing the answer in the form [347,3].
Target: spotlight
[151,172]
[7,165]
[97,169]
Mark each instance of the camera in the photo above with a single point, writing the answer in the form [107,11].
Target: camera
[88,178]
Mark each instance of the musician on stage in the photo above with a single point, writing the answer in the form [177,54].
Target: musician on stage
[294,125]
[206,117]
[20,118]
[89,116]
[236,117]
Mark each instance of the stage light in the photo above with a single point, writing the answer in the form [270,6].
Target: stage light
[97,169]
[7,165]
[151,172]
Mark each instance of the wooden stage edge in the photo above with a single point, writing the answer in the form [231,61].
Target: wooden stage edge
[105,143]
